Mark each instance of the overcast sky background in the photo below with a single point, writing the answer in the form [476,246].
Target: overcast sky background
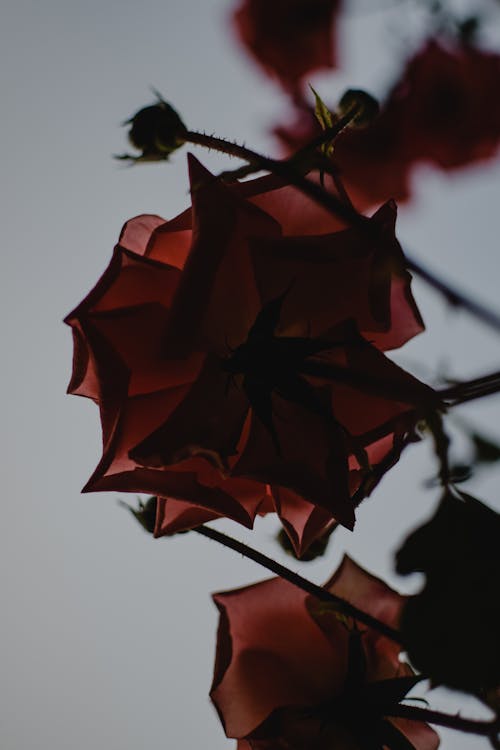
[107,636]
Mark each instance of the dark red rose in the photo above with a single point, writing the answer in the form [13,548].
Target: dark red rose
[157,343]
[291,674]
[449,94]
[289,38]
[444,110]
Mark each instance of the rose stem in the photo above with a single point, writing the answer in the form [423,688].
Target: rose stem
[471,389]
[472,726]
[333,204]
[285,170]
[454,297]
[320,593]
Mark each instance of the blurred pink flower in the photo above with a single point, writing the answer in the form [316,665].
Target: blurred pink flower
[443,110]
[289,38]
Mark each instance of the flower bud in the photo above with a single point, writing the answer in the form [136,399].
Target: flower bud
[156,131]
[364,106]
[145,513]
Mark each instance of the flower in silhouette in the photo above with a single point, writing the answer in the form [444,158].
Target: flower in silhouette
[289,38]
[227,352]
[293,673]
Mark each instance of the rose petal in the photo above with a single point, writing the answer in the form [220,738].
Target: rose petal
[270,653]
[373,596]
[178,515]
[303,522]
[208,421]
[218,275]
[289,38]
[313,460]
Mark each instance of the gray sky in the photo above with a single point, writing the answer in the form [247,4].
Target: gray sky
[107,637]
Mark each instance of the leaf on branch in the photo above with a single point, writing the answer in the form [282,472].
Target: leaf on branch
[325,118]
[451,628]
[486,450]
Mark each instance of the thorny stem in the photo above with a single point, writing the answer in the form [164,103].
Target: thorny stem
[472,726]
[255,160]
[320,593]
[285,169]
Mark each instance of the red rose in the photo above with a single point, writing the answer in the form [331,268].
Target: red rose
[291,674]
[443,110]
[152,349]
[449,95]
[289,38]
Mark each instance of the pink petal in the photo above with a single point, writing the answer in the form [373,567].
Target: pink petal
[373,596]
[421,736]
[218,275]
[303,522]
[179,515]
[136,233]
[269,654]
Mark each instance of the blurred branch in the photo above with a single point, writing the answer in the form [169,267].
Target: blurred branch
[453,296]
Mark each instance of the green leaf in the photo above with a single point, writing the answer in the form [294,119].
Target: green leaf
[323,114]
[325,119]
[451,627]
